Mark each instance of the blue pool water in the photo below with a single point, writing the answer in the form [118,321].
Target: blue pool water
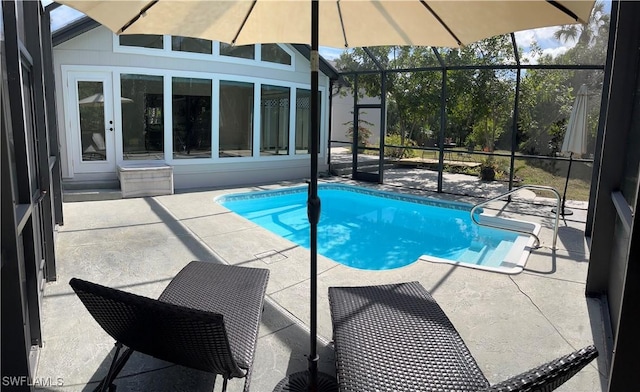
[375,230]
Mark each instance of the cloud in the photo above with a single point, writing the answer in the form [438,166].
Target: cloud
[545,40]
[531,58]
[543,36]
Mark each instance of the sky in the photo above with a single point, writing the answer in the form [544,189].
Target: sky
[543,36]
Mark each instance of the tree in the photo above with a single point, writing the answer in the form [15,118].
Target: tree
[586,33]
[412,97]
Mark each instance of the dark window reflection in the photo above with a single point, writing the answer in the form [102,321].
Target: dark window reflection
[142,116]
[92,126]
[193,45]
[303,119]
[191,102]
[273,53]
[142,41]
[274,117]
[236,119]
[244,51]
[629,185]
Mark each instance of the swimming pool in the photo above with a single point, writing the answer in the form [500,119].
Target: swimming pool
[377,230]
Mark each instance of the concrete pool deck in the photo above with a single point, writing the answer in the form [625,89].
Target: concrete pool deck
[510,322]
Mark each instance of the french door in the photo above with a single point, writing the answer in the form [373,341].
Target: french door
[91,118]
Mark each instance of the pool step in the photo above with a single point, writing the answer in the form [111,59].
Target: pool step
[498,254]
[483,255]
[473,255]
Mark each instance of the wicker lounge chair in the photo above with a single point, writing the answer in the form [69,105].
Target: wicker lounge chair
[207,318]
[397,338]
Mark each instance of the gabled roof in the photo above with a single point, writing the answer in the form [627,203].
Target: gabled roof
[85,24]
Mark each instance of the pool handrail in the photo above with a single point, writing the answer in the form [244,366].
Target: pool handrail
[537,239]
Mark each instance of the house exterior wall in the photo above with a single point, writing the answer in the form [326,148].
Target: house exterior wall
[98,51]
[342,113]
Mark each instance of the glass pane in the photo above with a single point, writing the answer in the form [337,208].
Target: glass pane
[303,120]
[275,54]
[142,41]
[191,118]
[368,136]
[32,139]
[142,116]
[274,112]
[546,99]
[629,183]
[92,126]
[244,51]
[236,119]
[193,45]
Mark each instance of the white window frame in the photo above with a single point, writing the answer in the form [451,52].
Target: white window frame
[166,51]
[216,78]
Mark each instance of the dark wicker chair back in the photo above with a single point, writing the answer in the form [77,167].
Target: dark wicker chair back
[549,376]
[396,337]
[173,333]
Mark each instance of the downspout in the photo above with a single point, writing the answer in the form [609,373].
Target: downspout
[329,127]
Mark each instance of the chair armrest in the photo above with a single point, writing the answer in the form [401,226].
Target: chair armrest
[549,376]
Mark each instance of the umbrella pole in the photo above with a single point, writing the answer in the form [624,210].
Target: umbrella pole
[566,184]
[312,380]
[313,204]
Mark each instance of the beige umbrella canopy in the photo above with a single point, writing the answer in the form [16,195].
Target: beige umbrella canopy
[335,23]
[342,23]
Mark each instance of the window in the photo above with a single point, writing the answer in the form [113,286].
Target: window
[191,102]
[142,41]
[193,45]
[275,54]
[92,125]
[244,51]
[303,120]
[274,114]
[142,116]
[236,119]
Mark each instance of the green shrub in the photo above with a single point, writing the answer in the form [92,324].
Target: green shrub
[399,152]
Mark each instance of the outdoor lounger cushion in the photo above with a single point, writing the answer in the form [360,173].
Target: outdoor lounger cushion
[397,338]
[207,318]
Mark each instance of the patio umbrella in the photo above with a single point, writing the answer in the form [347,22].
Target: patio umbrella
[339,23]
[575,137]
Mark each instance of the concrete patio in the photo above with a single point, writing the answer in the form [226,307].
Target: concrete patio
[510,322]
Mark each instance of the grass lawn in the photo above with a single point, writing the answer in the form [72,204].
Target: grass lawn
[578,189]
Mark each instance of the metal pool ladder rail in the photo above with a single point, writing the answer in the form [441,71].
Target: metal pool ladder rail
[540,187]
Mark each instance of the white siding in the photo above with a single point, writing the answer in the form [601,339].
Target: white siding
[342,113]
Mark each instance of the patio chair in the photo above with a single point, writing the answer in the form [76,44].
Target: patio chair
[207,318]
[397,338]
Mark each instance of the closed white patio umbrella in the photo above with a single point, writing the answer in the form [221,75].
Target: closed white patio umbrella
[335,23]
[575,137]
